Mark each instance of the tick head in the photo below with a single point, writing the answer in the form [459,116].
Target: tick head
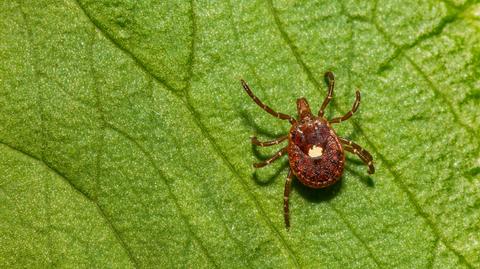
[303,109]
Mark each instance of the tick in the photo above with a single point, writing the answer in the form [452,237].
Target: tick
[315,152]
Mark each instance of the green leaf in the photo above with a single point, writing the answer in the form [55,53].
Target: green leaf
[124,133]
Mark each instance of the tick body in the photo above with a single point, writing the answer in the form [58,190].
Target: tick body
[315,152]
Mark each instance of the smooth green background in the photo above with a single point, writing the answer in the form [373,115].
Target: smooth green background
[124,133]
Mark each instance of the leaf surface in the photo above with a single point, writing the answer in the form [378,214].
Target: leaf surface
[124,133]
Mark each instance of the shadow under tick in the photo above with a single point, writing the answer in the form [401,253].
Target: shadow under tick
[257,130]
[365,179]
[279,173]
[317,195]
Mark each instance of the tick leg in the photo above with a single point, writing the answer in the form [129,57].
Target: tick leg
[331,84]
[286,195]
[265,107]
[271,159]
[268,143]
[364,155]
[349,113]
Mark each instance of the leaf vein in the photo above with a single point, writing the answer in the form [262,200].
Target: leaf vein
[431,261]
[437,30]
[41,116]
[81,193]
[144,67]
[186,90]
[411,198]
[163,177]
[430,83]
[206,133]
[354,232]
[100,27]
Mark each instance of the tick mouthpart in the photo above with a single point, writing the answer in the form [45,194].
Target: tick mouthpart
[303,109]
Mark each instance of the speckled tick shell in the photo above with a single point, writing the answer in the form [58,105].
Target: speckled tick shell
[315,172]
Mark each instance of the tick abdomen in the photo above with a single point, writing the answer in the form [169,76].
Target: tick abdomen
[315,153]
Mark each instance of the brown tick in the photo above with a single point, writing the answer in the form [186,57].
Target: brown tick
[315,151]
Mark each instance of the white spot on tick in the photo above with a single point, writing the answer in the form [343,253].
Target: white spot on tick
[315,152]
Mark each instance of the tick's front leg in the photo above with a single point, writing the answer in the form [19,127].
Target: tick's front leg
[264,106]
[331,84]
[349,113]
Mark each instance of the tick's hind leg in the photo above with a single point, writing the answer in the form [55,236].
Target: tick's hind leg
[364,155]
[265,107]
[276,141]
[331,84]
[349,113]
[271,159]
[286,195]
